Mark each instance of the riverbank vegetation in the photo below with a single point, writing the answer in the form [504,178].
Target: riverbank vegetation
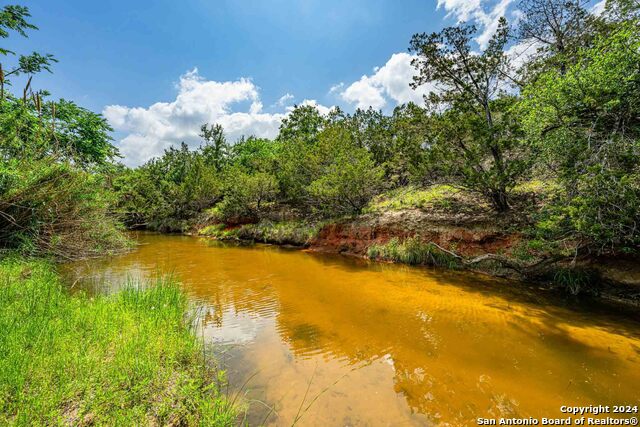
[126,359]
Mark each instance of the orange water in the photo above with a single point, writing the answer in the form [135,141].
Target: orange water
[336,341]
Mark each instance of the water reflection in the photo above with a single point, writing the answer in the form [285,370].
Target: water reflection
[389,345]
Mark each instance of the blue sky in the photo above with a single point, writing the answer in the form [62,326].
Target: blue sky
[136,61]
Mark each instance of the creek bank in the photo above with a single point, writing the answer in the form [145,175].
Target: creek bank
[480,243]
[131,358]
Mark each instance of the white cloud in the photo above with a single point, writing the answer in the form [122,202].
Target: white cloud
[473,10]
[285,99]
[599,8]
[387,83]
[336,88]
[321,108]
[151,130]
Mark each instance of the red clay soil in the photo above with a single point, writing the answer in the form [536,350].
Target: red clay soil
[355,236]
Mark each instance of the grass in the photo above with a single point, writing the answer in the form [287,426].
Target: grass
[412,251]
[298,233]
[437,196]
[126,359]
[574,280]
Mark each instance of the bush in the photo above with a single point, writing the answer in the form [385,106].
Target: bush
[348,179]
[298,233]
[246,195]
[51,208]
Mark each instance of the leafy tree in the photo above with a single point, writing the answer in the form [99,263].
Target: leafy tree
[246,195]
[410,161]
[468,85]
[304,123]
[586,124]
[297,140]
[215,149]
[348,176]
[14,18]
[372,130]
[255,154]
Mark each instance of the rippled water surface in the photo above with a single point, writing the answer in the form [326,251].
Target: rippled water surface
[374,344]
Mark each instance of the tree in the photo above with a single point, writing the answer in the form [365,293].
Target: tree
[255,154]
[409,162]
[468,84]
[304,123]
[246,195]
[586,123]
[14,18]
[215,149]
[559,28]
[297,166]
[371,130]
[348,177]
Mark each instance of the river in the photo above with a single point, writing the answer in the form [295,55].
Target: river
[338,341]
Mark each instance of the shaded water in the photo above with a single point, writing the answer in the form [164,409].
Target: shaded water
[379,344]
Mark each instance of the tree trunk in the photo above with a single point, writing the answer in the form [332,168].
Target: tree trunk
[500,200]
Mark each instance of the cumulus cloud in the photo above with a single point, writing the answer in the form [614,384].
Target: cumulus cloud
[474,10]
[389,83]
[235,105]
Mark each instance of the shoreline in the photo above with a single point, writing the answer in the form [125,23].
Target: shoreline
[482,250]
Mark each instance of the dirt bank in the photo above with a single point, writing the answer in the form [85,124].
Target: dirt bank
[355,236]
[488,245]
[481,242]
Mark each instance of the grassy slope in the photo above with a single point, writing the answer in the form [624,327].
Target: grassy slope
[126,359]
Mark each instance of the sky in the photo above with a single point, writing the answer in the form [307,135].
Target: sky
[158,70]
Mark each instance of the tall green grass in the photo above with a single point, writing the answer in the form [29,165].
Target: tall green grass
[126,359]
[412,251]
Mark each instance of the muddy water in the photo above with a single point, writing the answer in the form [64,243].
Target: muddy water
[340,341]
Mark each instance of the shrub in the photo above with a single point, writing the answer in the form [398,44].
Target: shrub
[55,209]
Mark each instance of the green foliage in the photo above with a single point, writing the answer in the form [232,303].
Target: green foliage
[304,123]
[489,160]
[167,192]
[574,280]
[51,208]
[412,251]
[297,233]
[246,195]
[126,359]
[215,149]
[54,198]
[348,177]
[476,137]
[586,125]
